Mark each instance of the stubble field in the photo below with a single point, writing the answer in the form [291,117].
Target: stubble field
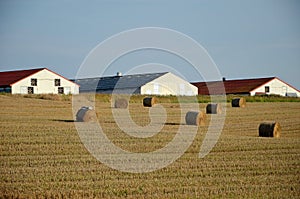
[41,154]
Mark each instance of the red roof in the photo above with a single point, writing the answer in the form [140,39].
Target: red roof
[9,77]
[239,86]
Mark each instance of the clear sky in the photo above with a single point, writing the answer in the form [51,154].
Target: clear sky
[251,38]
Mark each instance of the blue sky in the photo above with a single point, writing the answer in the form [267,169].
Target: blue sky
[244,38]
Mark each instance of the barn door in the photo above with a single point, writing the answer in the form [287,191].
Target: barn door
[23,90]
[67,90]
[284,90]
[156,89]
[181,89]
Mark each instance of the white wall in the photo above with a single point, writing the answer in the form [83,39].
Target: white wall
[277,87]
[169,84]
[45,84]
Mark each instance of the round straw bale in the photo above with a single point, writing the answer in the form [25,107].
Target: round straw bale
[121,103]
[195,118]
[86,114]
[269,129]
[149,101]
[213,109]
[238,102]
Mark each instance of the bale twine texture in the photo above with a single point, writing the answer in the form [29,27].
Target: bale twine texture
[269,129]
[121,103]
[149,101]
[195,118]
[86,114]
[238,102]
[213,109]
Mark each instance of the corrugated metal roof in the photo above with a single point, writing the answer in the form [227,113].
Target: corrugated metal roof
[239,86]
[116,82]
[9,77]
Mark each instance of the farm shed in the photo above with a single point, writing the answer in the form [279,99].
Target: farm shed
[36,81]
[258,86]
[148,84]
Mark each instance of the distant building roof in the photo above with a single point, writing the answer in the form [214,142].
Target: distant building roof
[9,77]
[238,86]
[116,82]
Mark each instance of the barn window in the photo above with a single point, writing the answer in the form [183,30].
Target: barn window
[267,89]
[60,90]
[30,90]
[57,82]
[33,82]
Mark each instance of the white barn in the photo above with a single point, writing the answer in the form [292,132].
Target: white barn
[257,86]
[144,84]
[169,84]
[36,81]
[276,87]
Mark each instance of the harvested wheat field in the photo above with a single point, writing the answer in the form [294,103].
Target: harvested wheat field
[43,156]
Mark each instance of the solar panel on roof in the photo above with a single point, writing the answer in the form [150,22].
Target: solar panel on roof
[131,82]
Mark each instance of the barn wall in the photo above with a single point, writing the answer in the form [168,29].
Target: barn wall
[45,84]
[120,91]
[169,84]
[277,87]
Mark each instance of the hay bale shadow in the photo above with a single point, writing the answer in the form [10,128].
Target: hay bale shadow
[174,123]
[57,120]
